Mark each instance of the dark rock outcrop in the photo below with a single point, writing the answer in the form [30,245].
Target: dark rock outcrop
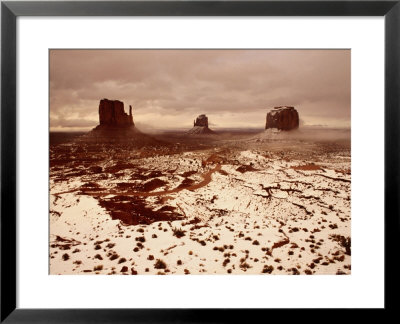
[201,120]
[283,118]
[200,126]
[112,113]
[117,127]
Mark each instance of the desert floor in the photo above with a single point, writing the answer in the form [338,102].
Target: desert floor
[251,204]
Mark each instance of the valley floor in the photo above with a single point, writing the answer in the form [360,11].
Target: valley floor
[253,206]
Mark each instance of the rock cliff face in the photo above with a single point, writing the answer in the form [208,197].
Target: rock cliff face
[117,127]
[200,126]
[201,120]
[112,113]
[282,118]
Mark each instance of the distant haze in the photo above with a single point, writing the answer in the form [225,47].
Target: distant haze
[168,89]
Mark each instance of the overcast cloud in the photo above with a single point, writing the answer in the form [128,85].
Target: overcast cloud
[169,88]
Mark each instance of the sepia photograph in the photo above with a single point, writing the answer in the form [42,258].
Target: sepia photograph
[200,161]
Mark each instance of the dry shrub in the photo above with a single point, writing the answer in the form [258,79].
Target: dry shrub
[160,264]
[268,269]
[178,232]
[345,242]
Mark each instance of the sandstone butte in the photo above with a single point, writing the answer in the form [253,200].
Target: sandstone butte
[201,120]
[200,126]
[116,126]
[112,113]
[283,118]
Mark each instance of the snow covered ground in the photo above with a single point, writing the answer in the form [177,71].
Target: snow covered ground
[243,208]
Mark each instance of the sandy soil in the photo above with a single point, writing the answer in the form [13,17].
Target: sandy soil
[253,205]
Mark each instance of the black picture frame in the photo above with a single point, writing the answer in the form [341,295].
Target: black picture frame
[11,10]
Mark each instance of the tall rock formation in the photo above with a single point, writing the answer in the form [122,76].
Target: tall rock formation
[200,126]
[112,113]
[117,127]
[282,118]
[201,120]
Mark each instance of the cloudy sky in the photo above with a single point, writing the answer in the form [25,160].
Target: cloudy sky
[169,88]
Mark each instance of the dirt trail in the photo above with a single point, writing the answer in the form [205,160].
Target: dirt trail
[206,180]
